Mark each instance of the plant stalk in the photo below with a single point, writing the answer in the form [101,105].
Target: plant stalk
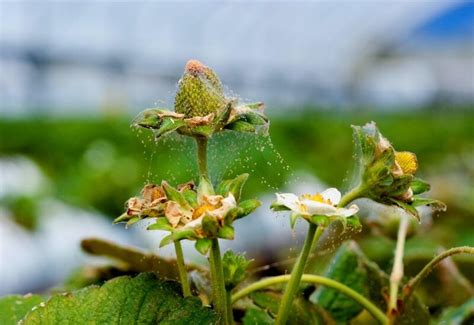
[315,279]
[352,195]
[218,285]
[397,270]
[230,314]
[411,285]
[202,156]
[183,275]
[295,278]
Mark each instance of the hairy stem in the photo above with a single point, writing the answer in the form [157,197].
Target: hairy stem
[218,286]
[411,285]
[315,279]
[352,195]
[202,156]
[230,314]
[183,275]
[295,277]
[397,270]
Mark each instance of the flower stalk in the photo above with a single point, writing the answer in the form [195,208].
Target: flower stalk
[202,156]
[218,286]
[295,277]
[183,276]
[397,270]
[315,279]
[352,195]
[413,283]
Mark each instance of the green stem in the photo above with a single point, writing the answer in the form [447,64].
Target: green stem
[315,279]
[295,278]
[397,270]
[183,275]
[318,234]
[352,195]
[411,285]
[202,156]
[230,314]
[218,286]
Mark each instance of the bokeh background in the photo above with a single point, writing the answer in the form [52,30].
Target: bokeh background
[74,74]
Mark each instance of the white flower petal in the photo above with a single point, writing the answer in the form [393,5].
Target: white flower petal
[332,194]
[343,212]
[314,208]
[289,200]
[227,204]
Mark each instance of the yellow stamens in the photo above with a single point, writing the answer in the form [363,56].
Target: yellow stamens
[407,162]
[317,198]
[203,209]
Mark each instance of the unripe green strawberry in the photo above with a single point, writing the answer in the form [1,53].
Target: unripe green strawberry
[199,91]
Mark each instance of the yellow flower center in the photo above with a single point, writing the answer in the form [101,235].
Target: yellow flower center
[203,209]
[317,198]
[407,162]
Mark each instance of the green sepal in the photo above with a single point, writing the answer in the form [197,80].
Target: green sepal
[133,221]
[203,245]
[233,186]
[241,126]
[149,118]
[255,106]
[210,225]
[168,125]
[322,221]
[160,224]
[174,195]
[123,217]
[408,208]
[246,207]
[435,204]
[255,118]
[419,186]
[293,218]
[226,232]
[223,117]
[233,214]
[184,234]
[353,222]
[166,240]
[191,197]
[204,188]
[202,130]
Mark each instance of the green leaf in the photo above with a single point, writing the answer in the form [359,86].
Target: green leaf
[302,311]
[419,186]
[351,267]
[463,314]
[255,118]
[255,316]
[203,245]
[14,308]
[160,224]
[124,300]
[233,186]
[348,269]
[278,207]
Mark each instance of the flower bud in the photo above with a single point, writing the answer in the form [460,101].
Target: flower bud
[199,92]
